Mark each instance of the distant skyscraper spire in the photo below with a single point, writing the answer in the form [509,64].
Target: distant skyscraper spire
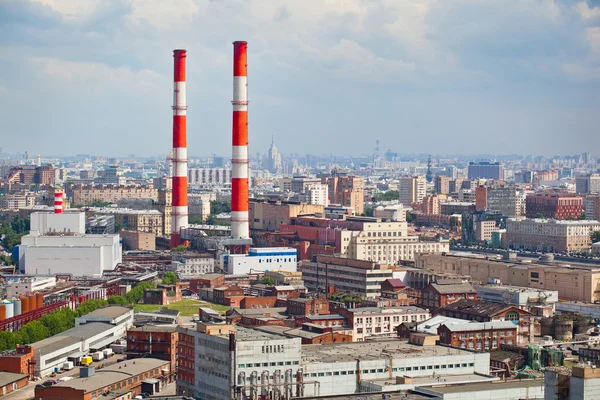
[429,175]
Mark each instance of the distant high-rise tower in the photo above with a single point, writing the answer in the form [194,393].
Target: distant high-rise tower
[429,175]
[273,161]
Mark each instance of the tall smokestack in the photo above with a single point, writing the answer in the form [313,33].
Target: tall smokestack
[240,228]
[180,200]
[58,201]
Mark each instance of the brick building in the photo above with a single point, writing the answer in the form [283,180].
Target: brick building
[155,342]
[10,381]
[303,306]
[553,205]
[18,361]
[436,295]
[479,336]
[186,352]
[318,334]
[207,281]
[223,294]
[127,376]
[258,302]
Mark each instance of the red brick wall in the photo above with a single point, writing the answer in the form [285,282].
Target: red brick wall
[186,350]
[258,302]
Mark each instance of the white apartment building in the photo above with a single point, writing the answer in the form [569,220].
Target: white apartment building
[16,201]
[386,242]
[484,229]
[192,265]
[209,176]
[29,284]
[369,322]
[550,234]
[361,277]
[317,193]
[412,189]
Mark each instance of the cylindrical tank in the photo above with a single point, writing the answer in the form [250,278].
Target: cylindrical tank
[24,304]
[546,326]
[39,300]
[2,312]
[563,330]
[10,308]
[32,302]
[583,325]
[17,306]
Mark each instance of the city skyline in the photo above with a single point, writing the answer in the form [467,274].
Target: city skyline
[94,77]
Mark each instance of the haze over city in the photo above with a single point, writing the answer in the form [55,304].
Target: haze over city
[84,76]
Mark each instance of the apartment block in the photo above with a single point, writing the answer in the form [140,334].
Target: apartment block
[361,277]
[551,205]
[347,191]
[412,189]
[484,229]
[442,184]
[269,215]
[549,235]
[372,322]
[504,201]
[209,176]
[486,170]
[85,195]
[591,206]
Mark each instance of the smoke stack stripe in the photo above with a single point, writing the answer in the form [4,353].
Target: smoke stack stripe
[180,186]
[240,228]
[58,202]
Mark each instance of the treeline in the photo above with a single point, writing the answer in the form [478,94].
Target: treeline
[11,233]
[47,326]
[134,296]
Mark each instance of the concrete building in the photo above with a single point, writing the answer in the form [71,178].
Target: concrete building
[119,382]
[375,322]
[242,362]
[138,240]
[317,193]
[192,265]
[550,235]
[581,382]
[504,201]
[16,201]
[574,284]
[587,184]
[556,206]
[29,284]
[442,184]
[361,277]
[199,204]
[347,191]
[484,229]
[260,260]
[591,206]
[486,170]
[44,223]
[149,221]
[85,195]
[512,389]
[392,213]
[209,176]
[412,189]
[100,224]
[519,296]
[268,216]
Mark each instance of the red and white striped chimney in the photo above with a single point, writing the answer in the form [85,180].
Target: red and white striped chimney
[240,227]
[180,198]
[58,202]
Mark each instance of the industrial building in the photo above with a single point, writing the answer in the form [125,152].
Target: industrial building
[57,244]
[192,265]
[92,332]
[260,260]
[237,360]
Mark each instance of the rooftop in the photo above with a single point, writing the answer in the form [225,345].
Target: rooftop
[454,288]
[372,350]
[249,334]
[6,378]
[486,386]
[154,328]
[431,325]
[70,337]
[109,312]
[396,283]
[477,326]
[387,310]
[113,374]
[476,307]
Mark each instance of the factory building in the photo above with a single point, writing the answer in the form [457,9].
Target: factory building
[234,361]
[260,260]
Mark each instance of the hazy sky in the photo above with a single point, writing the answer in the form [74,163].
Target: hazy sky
[325,76]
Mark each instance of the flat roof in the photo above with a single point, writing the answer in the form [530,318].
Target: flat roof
[154,328]
[6,378]
[249,334]
[109,312]
[481,386]
[70,337]
[372,350]
[113,374]
[386,310]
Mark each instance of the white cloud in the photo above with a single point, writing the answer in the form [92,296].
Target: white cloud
[584,10]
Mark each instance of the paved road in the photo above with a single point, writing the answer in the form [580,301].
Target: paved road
[28,391]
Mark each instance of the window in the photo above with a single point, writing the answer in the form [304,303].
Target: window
[336,373]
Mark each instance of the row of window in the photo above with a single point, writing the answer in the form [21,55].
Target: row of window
[268,364]
[381,370]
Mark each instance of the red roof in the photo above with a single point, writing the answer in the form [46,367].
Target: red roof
[397,283]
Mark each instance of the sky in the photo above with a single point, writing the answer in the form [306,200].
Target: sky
[325,76]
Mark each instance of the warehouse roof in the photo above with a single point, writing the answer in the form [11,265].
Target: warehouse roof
[109,312]
[113,374]
[6,378]
[154,328]
[478,326]
[70,337]
[454,288]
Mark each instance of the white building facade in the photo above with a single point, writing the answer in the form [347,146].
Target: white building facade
[261,260]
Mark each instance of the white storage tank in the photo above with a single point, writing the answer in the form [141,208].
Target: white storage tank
[17,306]
[9,307]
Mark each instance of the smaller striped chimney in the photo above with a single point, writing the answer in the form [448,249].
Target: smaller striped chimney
[58,202]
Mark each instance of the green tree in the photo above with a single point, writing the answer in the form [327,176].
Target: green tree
[33,331]
[409,217]
[267,280]
[391,195]
[136,294]
[595,236]
[368,211]
[195,220]
[583,216]
[118,300]
[179,249]
[540,215]
[218,207]
[8,340]
[169,278]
